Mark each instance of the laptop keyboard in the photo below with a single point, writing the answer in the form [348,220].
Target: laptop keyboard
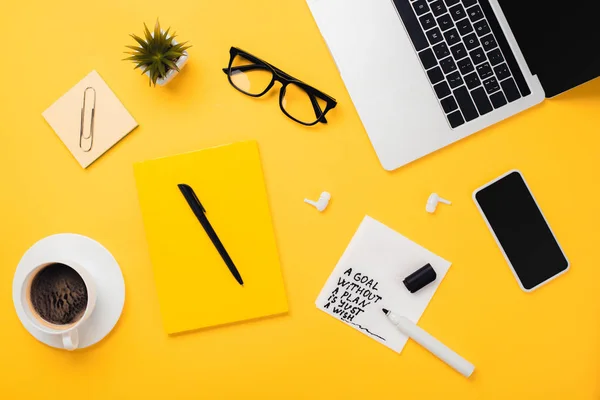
[465,54]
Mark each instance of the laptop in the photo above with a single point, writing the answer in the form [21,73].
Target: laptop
[426,73]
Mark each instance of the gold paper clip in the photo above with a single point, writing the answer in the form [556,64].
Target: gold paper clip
[89,137]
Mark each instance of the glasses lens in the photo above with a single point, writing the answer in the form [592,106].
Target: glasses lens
[248,76]
[301,105]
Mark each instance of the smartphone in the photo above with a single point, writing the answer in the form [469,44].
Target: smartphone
[520,229]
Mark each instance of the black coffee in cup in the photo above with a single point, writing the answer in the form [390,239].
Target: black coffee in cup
[58,294]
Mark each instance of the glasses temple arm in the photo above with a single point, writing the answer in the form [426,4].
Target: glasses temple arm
[245,68]
[317,108]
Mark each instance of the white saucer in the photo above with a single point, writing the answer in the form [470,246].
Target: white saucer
[100,264]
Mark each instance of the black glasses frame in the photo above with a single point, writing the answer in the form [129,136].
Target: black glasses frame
[283,78]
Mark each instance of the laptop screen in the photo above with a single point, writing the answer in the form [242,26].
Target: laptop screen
[560,40]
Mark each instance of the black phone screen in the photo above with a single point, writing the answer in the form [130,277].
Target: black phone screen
[522,230]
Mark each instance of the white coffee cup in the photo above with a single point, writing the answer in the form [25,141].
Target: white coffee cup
[68,332]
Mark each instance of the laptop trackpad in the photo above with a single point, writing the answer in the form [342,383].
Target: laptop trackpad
[384,77]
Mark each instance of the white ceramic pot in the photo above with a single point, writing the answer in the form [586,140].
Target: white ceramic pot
[172,72]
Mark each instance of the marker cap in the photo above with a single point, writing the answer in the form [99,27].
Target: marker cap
[420,278]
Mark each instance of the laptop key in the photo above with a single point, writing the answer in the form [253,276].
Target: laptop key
[488,42]
[484,70]
[445,22]
[420,7]
[449,104]
[448,65]
[477,55]
[452,37]
[441,50]
[427,58]
[442,89]
[495,56]
[475,13]
[458,51]
[465,65]
[435,75]
[457,12]
[469,3]
[465,103]
[510,89]
[427,21]
[434,35]
[491,85]
[455,119]
[472,80]
[502,71]
[454,79]
[411,23]
[481,101]
[464,26]
[471,41]
[438,8]
[498,99]
[481,27]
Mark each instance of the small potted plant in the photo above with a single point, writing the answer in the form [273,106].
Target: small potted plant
[158,55]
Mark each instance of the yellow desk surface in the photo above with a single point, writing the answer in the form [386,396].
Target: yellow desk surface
[542,345]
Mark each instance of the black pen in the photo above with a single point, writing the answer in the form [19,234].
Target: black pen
[200,213]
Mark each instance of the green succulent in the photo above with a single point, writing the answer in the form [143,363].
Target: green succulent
[157,54]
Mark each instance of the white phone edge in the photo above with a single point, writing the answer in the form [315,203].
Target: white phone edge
[498,241]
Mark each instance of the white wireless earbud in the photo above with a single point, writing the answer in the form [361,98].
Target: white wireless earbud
[433,201]
[322,203]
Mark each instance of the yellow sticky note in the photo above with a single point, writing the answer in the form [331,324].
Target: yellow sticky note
[111,122]
[195,287]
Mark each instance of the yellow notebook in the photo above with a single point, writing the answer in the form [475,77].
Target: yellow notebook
[195,287]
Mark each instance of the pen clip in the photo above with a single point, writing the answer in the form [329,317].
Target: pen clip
[189,193]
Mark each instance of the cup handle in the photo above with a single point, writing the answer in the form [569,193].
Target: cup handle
[70,340]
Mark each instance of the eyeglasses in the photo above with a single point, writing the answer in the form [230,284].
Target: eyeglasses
[255,77]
